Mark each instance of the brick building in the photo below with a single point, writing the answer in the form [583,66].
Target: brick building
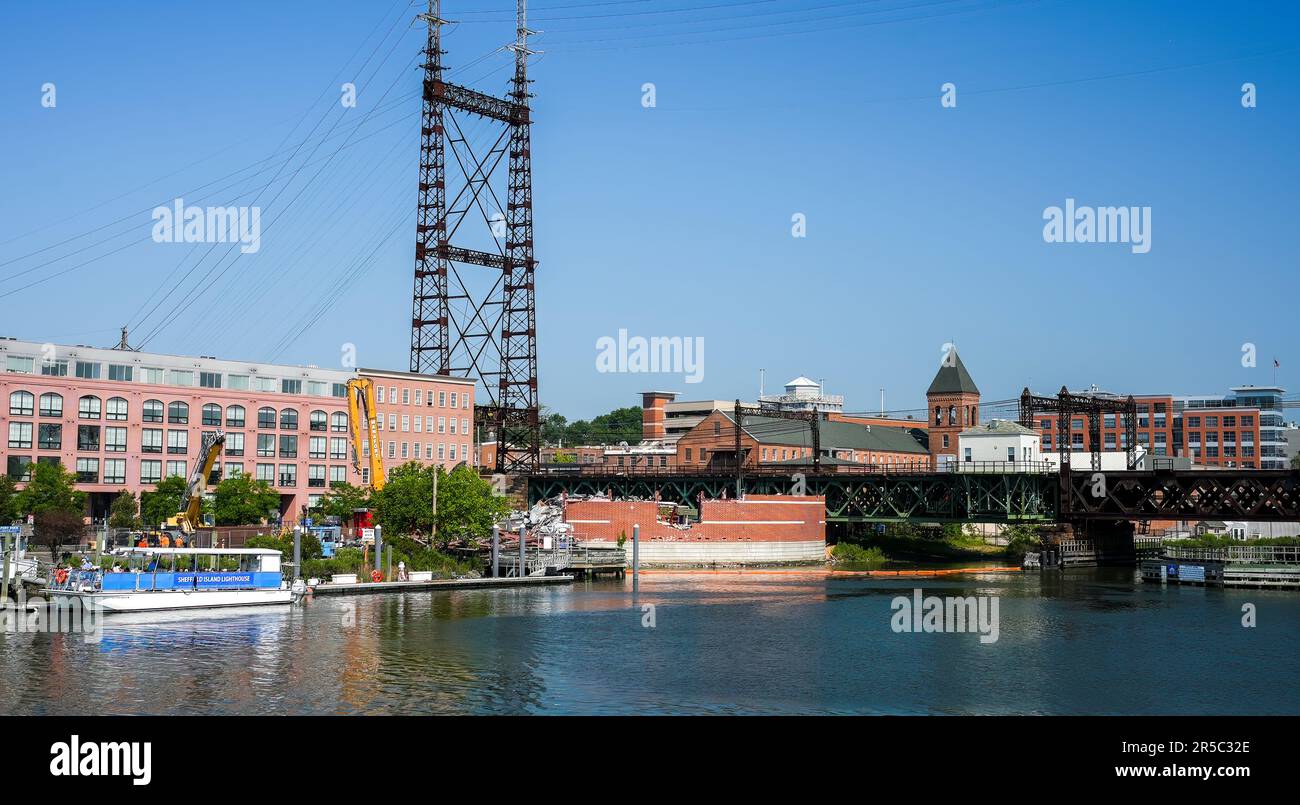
[953,403]
[124,419]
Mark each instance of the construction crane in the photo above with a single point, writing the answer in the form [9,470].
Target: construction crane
[187,519]
[361,414]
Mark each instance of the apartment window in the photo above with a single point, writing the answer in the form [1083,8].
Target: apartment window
[20,468]
[1011,454]
[176,469]
[338,475]
[235,416]
[115,440]
[1211,422]
[392,449]
[87,370]
[392,394]
[464,400]
[452,423]
[178,413]
[415,451]
[316,475]
[20,435]
[88,438]
[428,424]
[150,471]
[417,396]
[234,444]
[451,452]
[54,368]
[21,403]
[114,470]
[115,409]
[52,405]
[153,376]
[87,470]
[49,437]
[318,421]
[966,454]
[442,424]
[365,475]
[339,390]
[288,386]
[945,440]
[464,426]
[119,372]
[453,399]
[406,424]
[316,447]
[234,470]
[442,399]
[379,422]
[152,411]
[88,407]
[428,450]
[419,421]
[338,449]
[406,449]
[212,415]
[442,451]
[266,418]
[151,440]
[392,422]
[264,383]
[265,472]
[315,388]
[406,396]
[288,419]
[288,446]
[288,475]
[1248,421]
[237,382]
[339,422]
[1229,422]
[178,441]
[379,393]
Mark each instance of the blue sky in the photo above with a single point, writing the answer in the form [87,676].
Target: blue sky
[924,224]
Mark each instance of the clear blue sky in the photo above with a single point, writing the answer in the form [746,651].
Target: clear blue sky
[924,223]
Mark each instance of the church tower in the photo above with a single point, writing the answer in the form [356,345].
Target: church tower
[954,405]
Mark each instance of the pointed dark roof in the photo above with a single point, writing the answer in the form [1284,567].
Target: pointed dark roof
[952,377]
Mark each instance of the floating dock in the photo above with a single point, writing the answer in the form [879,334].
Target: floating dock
[438,584]
[1276,567]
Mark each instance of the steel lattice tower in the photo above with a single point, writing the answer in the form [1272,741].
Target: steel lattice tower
[489,330]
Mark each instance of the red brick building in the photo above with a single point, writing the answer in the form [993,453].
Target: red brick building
[953,402]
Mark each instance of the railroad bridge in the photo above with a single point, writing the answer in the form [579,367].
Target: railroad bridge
[984,492]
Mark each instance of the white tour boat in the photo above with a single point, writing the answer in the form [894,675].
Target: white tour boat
[153,579]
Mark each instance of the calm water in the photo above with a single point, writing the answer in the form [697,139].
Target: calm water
[1085,641]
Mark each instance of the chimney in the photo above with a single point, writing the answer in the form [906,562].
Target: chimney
[652,414]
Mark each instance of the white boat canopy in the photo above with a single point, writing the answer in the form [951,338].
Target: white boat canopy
[196,551]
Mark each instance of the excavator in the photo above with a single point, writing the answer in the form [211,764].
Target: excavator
[361,420]
[180,527]
[363,426]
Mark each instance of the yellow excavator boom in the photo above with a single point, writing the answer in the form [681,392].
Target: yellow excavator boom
[187,519]
[361,420]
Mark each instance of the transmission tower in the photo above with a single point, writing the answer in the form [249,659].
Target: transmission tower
[466,321]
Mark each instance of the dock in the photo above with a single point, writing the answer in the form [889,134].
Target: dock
[1262,566]
[437,584]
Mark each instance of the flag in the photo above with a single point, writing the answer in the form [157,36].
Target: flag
[1276,365]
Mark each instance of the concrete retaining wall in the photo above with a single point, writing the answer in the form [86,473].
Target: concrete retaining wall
[742,553]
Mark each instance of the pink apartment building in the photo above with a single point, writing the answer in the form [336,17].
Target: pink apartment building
[125,420]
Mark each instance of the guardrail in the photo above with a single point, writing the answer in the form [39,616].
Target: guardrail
[787,470]
[1261,554]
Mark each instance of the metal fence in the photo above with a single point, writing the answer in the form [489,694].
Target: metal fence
[1252,554]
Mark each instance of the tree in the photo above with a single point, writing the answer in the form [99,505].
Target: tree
[1295,462]
[242,501]
[54,502]
[8,500]
[619,425]
[52,488]
[467,509]
[553,426]
[54,527]
[123,513]
[343,499]
[405,505]
[163,502]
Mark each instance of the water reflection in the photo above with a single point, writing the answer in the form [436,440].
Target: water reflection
[1081,641]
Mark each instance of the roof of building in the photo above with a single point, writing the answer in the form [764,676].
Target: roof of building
[1000,427]
[803,380]
[952,377]
[834,435]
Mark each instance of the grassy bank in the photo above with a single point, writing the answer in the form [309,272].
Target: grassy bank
[948,543]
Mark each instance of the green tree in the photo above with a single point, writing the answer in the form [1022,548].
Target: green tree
[123,513]
[242,501]
[553,427]
[619,425]
[8,500]
[52,488]
[343,499]
[405,505]
[163,502]
[467,509]
[55,527]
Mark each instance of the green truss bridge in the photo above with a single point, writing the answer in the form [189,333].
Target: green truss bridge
[991,492]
